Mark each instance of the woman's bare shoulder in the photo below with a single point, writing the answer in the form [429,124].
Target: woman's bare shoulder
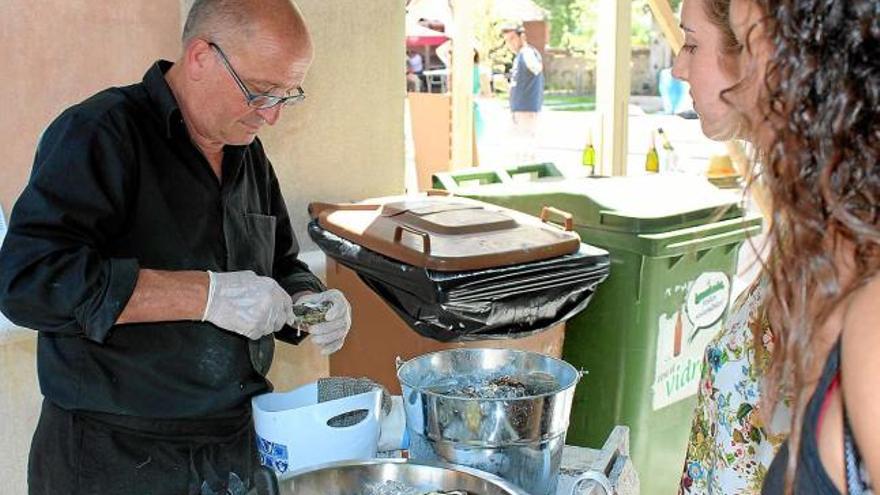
[860,371]
[861,324]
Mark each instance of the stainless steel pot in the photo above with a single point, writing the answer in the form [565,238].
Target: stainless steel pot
[520,440]
[357,478]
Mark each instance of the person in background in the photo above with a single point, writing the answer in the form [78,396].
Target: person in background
[526,92]
[415,66]
[731,446]
[479,124]
[153,252]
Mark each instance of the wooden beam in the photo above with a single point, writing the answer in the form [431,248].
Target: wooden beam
[669,24]
[462,75]
[612,86]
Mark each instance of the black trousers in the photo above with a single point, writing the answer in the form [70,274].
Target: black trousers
[79,453]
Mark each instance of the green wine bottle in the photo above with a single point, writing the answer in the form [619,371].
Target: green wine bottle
[670,157]
[652,160]
[664,140]
[588,158]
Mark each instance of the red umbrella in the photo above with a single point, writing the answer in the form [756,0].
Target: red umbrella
[418,35]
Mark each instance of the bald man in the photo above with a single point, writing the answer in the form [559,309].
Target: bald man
[153,253]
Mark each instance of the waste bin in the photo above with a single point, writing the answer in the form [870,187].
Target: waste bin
[451,181]
[674,242]
[431,273]
[378,336]
[534,172]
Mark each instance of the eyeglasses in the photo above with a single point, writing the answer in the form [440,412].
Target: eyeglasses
[260,101]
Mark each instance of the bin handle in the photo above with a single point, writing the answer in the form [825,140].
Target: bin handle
[318,207]
[426,238]
[437,192]
[595,476]
[567,217]
[712,240]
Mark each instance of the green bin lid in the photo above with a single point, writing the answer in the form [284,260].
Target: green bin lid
[637,205]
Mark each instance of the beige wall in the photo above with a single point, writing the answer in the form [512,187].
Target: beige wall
[19,407]
[57,52]
[344,143]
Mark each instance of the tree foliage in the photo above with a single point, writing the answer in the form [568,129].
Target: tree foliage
[574,23]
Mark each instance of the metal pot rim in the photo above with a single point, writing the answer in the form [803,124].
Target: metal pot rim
[400,363]
[496,480]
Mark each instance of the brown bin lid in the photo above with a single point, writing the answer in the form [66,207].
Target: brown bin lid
[445,234]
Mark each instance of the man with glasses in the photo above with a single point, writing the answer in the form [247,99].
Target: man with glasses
[153,252]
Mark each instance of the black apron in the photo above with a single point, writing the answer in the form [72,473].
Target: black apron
[84,453]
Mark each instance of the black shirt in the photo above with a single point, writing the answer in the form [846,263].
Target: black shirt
[117,185]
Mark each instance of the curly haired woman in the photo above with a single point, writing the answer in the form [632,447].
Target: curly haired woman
[819,83]
[731,447]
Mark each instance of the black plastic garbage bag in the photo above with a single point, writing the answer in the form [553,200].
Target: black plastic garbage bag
[499,302]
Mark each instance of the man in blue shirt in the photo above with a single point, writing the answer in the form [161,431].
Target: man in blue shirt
[526,92]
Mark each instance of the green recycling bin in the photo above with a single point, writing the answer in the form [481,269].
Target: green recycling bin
[674,242]
[534,172]
[468,178]
[472,177]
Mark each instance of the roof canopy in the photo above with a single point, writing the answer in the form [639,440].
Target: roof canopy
[418,35]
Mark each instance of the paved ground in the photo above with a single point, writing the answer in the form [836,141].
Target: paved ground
[563,134]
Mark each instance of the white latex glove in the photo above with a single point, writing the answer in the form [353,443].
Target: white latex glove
[330,334]
[247,304]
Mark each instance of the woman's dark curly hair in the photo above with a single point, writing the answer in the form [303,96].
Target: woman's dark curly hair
[821,92]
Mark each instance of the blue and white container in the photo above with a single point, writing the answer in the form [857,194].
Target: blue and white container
[294,430]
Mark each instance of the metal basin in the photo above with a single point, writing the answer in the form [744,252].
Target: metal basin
[357,478]
[519,439]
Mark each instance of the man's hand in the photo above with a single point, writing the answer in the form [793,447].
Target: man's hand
[330,334]
[247,304]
